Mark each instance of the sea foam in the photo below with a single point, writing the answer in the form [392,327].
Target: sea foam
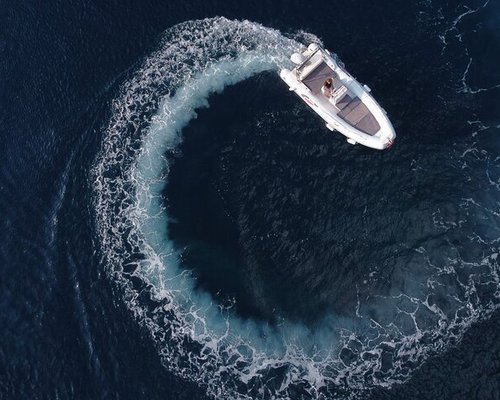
[199,339]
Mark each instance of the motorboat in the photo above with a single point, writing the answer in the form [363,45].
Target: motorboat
[346,105]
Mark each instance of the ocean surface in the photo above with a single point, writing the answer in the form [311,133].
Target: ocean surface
[175,224]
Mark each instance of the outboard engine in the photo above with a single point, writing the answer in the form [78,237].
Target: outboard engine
[297,58]
[312,47]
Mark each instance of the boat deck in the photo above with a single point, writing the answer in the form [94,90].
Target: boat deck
[349,107]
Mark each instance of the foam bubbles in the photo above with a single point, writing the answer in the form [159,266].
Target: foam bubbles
[201,340]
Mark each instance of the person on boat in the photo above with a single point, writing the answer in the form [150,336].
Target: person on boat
[327,88]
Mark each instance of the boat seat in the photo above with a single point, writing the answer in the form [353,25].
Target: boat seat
[356,114]
[344,101]
[310,68]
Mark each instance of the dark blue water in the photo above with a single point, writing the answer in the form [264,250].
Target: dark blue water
[261,256]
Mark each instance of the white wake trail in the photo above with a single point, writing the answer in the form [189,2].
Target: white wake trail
[198,340]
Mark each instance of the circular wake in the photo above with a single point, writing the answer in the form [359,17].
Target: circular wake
[430,305]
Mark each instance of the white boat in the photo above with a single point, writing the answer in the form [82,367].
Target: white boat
[345,105]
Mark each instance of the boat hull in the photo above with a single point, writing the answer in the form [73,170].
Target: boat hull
[379,133]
